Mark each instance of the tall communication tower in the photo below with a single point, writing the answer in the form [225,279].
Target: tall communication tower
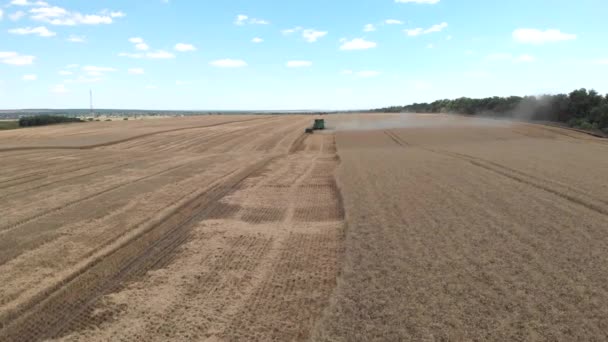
[91,101]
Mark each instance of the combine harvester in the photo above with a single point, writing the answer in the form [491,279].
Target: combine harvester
[318,125]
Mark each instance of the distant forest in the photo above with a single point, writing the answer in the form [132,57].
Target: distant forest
[43,120]
[580,109]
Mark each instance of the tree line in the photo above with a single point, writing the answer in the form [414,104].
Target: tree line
[43,120]
[582,108]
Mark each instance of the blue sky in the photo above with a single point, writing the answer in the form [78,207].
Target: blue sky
[313,54]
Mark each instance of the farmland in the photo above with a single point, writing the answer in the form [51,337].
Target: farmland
[237,227]
[127,226]
[465,229]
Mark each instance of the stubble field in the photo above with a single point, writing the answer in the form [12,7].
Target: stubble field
[231,228]
[210,227]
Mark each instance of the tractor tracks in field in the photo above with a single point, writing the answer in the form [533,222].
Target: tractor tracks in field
[48,314]
[95,168]
[25,169]
[567,193]
[23,179]
[298,144]
[173,144]
[561,130]
[551,186]
[115,142]
[89,197]
[395,138]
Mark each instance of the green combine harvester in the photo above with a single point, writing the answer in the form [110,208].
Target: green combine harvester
[318,125]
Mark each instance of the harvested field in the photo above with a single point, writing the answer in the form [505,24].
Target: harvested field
[236,228]
[94,134]
[203,228]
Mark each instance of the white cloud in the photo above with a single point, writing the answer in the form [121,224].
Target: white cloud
[40,31]
[136,40]
[430,46]
[292,30]
[28,3]
[393,22]
[602,61]
[1,14]
[414,32]
[89,19]
[429,2]
[181,47]
[367,73]
[436,28]
[76,39]
[534,36]
[142,47]
[346,72]
[259,21]
[139,44]
[48,13]
[257,40]
[160,54]
[242,19]
[31,77]
[136,71]
[17,15]
[59,89]
[60,16]
[311,35]
[96,71]
[369,28]
[358,44]
[298,64]
[14,58]
[118,14]
[72,66]
[65,73]
[418,31]
[228,63]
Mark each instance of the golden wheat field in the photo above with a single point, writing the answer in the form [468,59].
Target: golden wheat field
[243,228]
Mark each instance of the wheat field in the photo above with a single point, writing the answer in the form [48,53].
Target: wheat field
[234,228]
